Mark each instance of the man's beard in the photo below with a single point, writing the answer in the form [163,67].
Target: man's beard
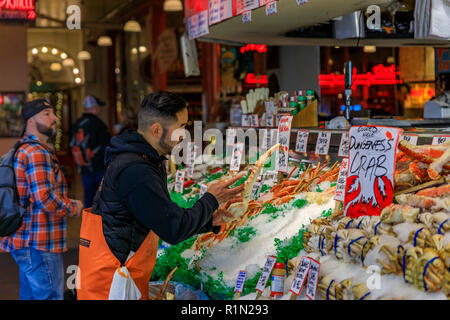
[48,131]
[163,146]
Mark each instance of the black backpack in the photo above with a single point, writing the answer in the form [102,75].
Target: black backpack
[11,212]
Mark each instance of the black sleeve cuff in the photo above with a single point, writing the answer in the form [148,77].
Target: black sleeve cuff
[211,200]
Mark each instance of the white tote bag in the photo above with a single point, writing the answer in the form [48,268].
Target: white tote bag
[123,286]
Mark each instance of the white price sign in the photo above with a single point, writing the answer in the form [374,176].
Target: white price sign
[343,146]
[269,121]
[226,9]
[323,142]
[300,275]
[179,181]
[240,281]
[411,138]
[265,273]
[440,140]
[245,120]
[231,134]
[190,171]
[284,135]
[214,11]
[302,141]
[247,17]
[203,25]
[238,150]
[371,167]
[313,279]
[203,189]
[339,193]
[246,5]
[271,8]
[273,136]
[254,121]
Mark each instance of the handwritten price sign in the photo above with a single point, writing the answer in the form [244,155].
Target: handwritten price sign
[323,142]
[265,273]
[411,138]
[343,146]
[440,139]
[302,141]
[370,179]
[284,135]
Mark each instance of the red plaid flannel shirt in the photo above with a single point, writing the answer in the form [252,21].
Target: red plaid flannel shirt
[41,183]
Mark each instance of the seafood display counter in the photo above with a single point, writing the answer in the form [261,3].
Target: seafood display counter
[293,222]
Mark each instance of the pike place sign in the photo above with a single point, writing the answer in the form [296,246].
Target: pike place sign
[17,10]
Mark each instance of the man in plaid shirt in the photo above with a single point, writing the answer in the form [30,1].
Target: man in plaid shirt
[37,246]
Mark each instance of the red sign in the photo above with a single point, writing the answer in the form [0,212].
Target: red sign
[17,9]
[380,75]
[261,48]
[252,79]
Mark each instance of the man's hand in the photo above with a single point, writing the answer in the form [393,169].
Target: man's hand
[221,191]
[78,208]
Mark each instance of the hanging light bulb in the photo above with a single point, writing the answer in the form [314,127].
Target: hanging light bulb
[370,49]
[68,62]
[132,26]
[84,55]
[104,41]
[173,5]
[55,66]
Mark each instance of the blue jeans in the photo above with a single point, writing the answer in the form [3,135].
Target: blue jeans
[41,274]
[91,182]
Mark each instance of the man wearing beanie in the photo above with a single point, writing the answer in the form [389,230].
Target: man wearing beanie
[89,140]
[37,246]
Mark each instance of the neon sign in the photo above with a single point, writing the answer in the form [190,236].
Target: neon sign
[380,75]
[252,79]
[261,48]
[17,10]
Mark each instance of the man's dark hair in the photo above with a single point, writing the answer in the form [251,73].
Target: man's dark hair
[161,107]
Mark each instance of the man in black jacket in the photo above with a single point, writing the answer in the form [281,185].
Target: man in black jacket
[134,198]
[89,140]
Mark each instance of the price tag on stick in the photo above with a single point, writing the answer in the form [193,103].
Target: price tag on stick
[240,281]
[284,135]
[238,150]
[339,193]
[300,276]
[265,274]
[179,181]
[313,279]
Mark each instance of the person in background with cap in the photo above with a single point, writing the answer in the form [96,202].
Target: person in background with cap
[37,246]
[89,140]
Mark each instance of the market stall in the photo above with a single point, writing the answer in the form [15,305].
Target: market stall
[297,235]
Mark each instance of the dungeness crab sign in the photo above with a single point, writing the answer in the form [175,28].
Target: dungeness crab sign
[370,177]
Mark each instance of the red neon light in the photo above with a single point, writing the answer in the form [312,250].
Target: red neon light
[254,47]
[252,79]
[22,5]
[381,76]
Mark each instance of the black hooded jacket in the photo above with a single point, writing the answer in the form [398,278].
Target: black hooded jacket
[134,199]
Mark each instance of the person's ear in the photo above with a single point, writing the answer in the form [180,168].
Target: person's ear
[156,130]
